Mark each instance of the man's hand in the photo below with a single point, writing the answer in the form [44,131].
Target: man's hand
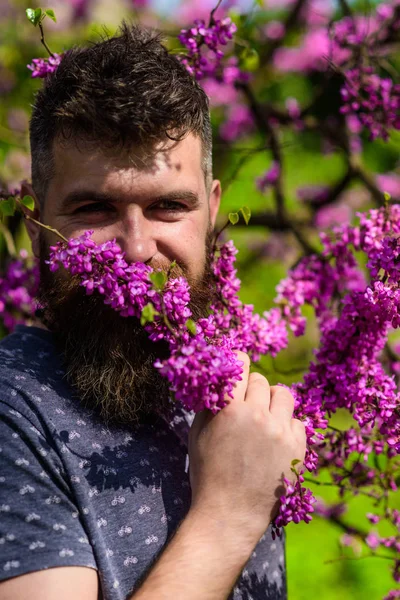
[239,456]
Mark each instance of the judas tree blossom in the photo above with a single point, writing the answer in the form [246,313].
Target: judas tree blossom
[375,101]
[41,67]
[203,43]
[274,30]
[18,288]
[313,193]
[269,178]
[311,55]
[128,289]
[334,214]
[239,122]
[390,183]
[295,506]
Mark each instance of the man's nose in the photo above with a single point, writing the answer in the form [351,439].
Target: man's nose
[136,239]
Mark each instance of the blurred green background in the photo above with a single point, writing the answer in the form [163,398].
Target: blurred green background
[318,566]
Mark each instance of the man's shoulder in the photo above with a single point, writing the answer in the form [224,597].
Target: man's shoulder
[30,369]
[26,345]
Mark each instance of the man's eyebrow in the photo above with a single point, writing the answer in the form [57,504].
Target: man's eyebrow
[191,198]
[80,196]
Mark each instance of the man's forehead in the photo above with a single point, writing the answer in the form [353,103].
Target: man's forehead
[165,154]
[170,167]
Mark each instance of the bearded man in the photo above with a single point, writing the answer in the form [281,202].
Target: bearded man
[96,497]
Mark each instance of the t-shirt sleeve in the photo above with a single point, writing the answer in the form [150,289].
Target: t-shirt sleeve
[39,521]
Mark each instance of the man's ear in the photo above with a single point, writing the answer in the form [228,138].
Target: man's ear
[214,201]
[32,228]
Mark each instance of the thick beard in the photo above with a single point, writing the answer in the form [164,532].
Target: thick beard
[108,359]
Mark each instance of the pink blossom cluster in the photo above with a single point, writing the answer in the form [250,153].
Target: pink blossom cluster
[203,43]
[355,316]
[202,367]
[18,288]
[238,123]
[373,100]
[353,45]
[269,178]
[246,330]
[295,505]
[41,67]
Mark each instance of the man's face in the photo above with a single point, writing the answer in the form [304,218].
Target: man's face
[157,208]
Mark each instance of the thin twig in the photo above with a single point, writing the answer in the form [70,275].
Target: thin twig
[43,40]
[332,560]
[214,10]
[45,227]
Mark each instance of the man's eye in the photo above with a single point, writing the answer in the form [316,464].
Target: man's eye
[169,205]
[93,207]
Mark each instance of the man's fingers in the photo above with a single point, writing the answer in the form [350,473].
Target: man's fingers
[258,390]
[282,402]
[299,432]
[239,391]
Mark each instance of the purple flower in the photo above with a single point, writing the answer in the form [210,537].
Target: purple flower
[239,123]
[201,375]
[269,178]
[373,100]
[295,506]
[390,183]
[41,67]
[18,288]
[313,193]
[373,540]
[203,43]
[334,214]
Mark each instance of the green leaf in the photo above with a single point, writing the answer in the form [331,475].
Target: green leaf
[29,202]
[148,314]
[233,218]
[295,462]
[158,279]
[30,13]
[34,15]
[249,59]
[38,16]
[7,207]
[191,326]
[50,13]
[246,212]
[387,196]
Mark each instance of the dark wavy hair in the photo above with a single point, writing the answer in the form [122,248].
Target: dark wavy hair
[123,91]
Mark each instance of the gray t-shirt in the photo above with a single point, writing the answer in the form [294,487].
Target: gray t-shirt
[74,492]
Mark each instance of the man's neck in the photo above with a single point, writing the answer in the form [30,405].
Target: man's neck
[38,323]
